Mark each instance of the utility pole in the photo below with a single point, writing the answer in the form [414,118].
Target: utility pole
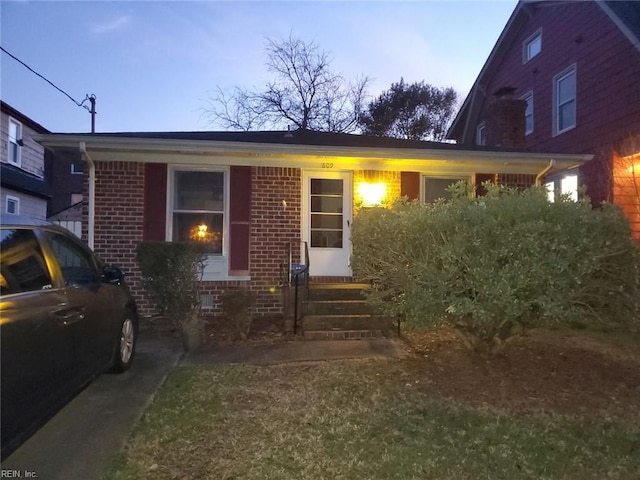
[92,99]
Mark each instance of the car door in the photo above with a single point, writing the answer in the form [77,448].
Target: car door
[36,340]
[93,330]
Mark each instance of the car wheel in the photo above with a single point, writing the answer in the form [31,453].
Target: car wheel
[125,346]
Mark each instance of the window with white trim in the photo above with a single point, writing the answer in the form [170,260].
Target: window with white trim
[551,191]
[198,208]
[14,146]
[481,138]
[531,47]
[12,205]
[528,113]
[76,169]
[435,188]
[569,187]
[566,185]
[564,101]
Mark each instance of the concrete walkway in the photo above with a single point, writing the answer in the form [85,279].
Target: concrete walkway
[297,351]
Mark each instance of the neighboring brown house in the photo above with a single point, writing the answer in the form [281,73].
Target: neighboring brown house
[574,68]
[65,176]
[24,189]
[250,197]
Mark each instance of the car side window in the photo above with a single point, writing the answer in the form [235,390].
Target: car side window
[22,264]
[76,263]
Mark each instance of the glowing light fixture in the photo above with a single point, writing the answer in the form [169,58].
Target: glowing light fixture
[372,193]
[201,233]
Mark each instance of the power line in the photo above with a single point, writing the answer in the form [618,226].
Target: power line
[80,104]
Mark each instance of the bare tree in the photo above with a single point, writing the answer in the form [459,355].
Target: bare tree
[305,93]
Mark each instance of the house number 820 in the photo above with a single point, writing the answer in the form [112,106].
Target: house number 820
[327,165]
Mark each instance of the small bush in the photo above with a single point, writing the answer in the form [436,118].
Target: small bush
[171,274]
[236,306]
[494,265]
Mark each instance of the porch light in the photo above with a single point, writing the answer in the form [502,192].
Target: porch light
[372,193]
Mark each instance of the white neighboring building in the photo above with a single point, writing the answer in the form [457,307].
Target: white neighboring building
[24,190]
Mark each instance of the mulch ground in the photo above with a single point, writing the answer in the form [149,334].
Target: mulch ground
[565,372]
[553,371]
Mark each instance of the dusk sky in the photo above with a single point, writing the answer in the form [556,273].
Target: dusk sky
[153,65]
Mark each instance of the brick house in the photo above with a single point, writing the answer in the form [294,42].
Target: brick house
[24,189]
[574,70]
[251,196]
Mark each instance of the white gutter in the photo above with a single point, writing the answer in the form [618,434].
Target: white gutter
[539,176]
[92,194]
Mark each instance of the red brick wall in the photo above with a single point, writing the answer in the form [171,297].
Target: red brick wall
[119,201]
[626,190]
[119,198]
[608,91]
[273,226]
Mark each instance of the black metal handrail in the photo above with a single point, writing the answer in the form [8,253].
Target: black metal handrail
[296,275]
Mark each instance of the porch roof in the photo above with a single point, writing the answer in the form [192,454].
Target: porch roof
[304,149]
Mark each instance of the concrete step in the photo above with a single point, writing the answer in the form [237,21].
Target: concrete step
[338,307]
[338,311]
[336,291]
[346,322]
[343,334]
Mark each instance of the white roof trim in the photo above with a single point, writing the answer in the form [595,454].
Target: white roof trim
[198,152]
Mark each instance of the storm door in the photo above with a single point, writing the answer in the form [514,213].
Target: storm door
[327,216]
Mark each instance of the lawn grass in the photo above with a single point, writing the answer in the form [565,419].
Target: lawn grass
[358,420]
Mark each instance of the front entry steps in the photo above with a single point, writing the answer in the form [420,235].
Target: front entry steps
[338,311]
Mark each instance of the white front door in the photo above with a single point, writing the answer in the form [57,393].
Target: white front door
[326,220]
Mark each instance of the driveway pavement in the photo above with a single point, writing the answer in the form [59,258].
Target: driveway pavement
[81,440]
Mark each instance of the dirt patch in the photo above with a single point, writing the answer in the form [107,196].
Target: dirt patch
[563,372]
[264,329]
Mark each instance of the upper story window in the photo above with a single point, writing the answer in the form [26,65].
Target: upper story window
[528,113]
[564,101]
[532,47]
[199,208]
[481,138]
[14,147]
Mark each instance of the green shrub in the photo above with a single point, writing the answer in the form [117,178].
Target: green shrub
[171,274]
[494,265]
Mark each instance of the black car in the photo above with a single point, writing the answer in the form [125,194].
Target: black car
[65,317]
